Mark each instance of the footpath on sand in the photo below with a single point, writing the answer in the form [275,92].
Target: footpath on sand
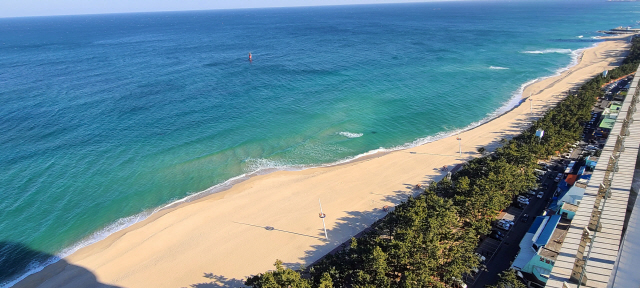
[221,239]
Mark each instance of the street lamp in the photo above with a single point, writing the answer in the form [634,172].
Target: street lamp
[322,215]
[530,105]
[459,146]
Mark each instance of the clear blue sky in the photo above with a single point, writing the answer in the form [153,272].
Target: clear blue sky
[19,8]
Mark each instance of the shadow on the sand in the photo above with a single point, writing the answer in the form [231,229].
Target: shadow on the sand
[16,259]
[218,281]
[270,228]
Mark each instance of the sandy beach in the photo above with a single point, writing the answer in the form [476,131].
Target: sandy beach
[219,240]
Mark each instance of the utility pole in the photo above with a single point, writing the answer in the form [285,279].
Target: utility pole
[322,215]
[530,104]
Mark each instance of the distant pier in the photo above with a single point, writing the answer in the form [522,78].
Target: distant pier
[621,30]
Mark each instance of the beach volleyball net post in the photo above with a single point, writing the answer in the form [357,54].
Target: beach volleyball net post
[322,215]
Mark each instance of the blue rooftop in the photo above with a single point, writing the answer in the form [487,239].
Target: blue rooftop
[572,196]
[581,170]
[544,237]
[588,176]
[536,224]
[563,185]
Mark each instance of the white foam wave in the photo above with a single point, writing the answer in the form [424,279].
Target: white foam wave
[546,51]
[498,68]
[515,100]
[119,225]
[350,134]
[261,166]
[580,36]
[576,55]
[99,235]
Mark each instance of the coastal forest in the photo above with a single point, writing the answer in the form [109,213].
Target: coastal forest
[430,240]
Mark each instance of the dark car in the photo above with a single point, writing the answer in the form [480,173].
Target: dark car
[524,218]
[497,235]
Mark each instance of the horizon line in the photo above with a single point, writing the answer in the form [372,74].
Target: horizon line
[256,8]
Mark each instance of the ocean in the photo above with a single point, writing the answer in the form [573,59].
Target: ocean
[106,119]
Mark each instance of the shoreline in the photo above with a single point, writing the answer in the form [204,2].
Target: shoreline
[244,182]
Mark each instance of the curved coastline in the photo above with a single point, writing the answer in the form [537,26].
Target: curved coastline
[115,231]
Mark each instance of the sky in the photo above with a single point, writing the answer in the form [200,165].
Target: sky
[21,8]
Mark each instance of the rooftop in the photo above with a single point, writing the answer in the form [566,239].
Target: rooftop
[526,249]
[572,196]
[536,224]
[599,247]
[547,232]
[615,107]
[552,248]
[569,207]
[548,253]
[571,178]
[607,123]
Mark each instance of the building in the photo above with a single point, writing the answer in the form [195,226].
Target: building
[539,249]
[566,206]
[601,245]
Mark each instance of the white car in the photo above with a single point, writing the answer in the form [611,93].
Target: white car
[506,221]
[540,194]
[503,226]
[482,258]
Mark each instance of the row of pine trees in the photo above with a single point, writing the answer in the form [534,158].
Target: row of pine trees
[430,240]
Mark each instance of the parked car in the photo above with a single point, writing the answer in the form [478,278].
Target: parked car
[540,194]
[458,283]
[558,178]
[503,226]
[482,258]
[506,221]
[495,234]
[524,218]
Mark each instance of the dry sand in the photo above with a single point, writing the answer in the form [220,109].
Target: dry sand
[221,239]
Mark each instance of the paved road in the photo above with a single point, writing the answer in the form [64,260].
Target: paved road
[507,251]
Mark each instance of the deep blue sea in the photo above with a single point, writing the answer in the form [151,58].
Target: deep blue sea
[105,118]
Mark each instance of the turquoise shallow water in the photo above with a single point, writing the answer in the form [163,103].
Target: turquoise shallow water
[104,118]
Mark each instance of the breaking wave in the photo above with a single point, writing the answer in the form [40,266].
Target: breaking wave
[350,134]
[547,51]
[264,166]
